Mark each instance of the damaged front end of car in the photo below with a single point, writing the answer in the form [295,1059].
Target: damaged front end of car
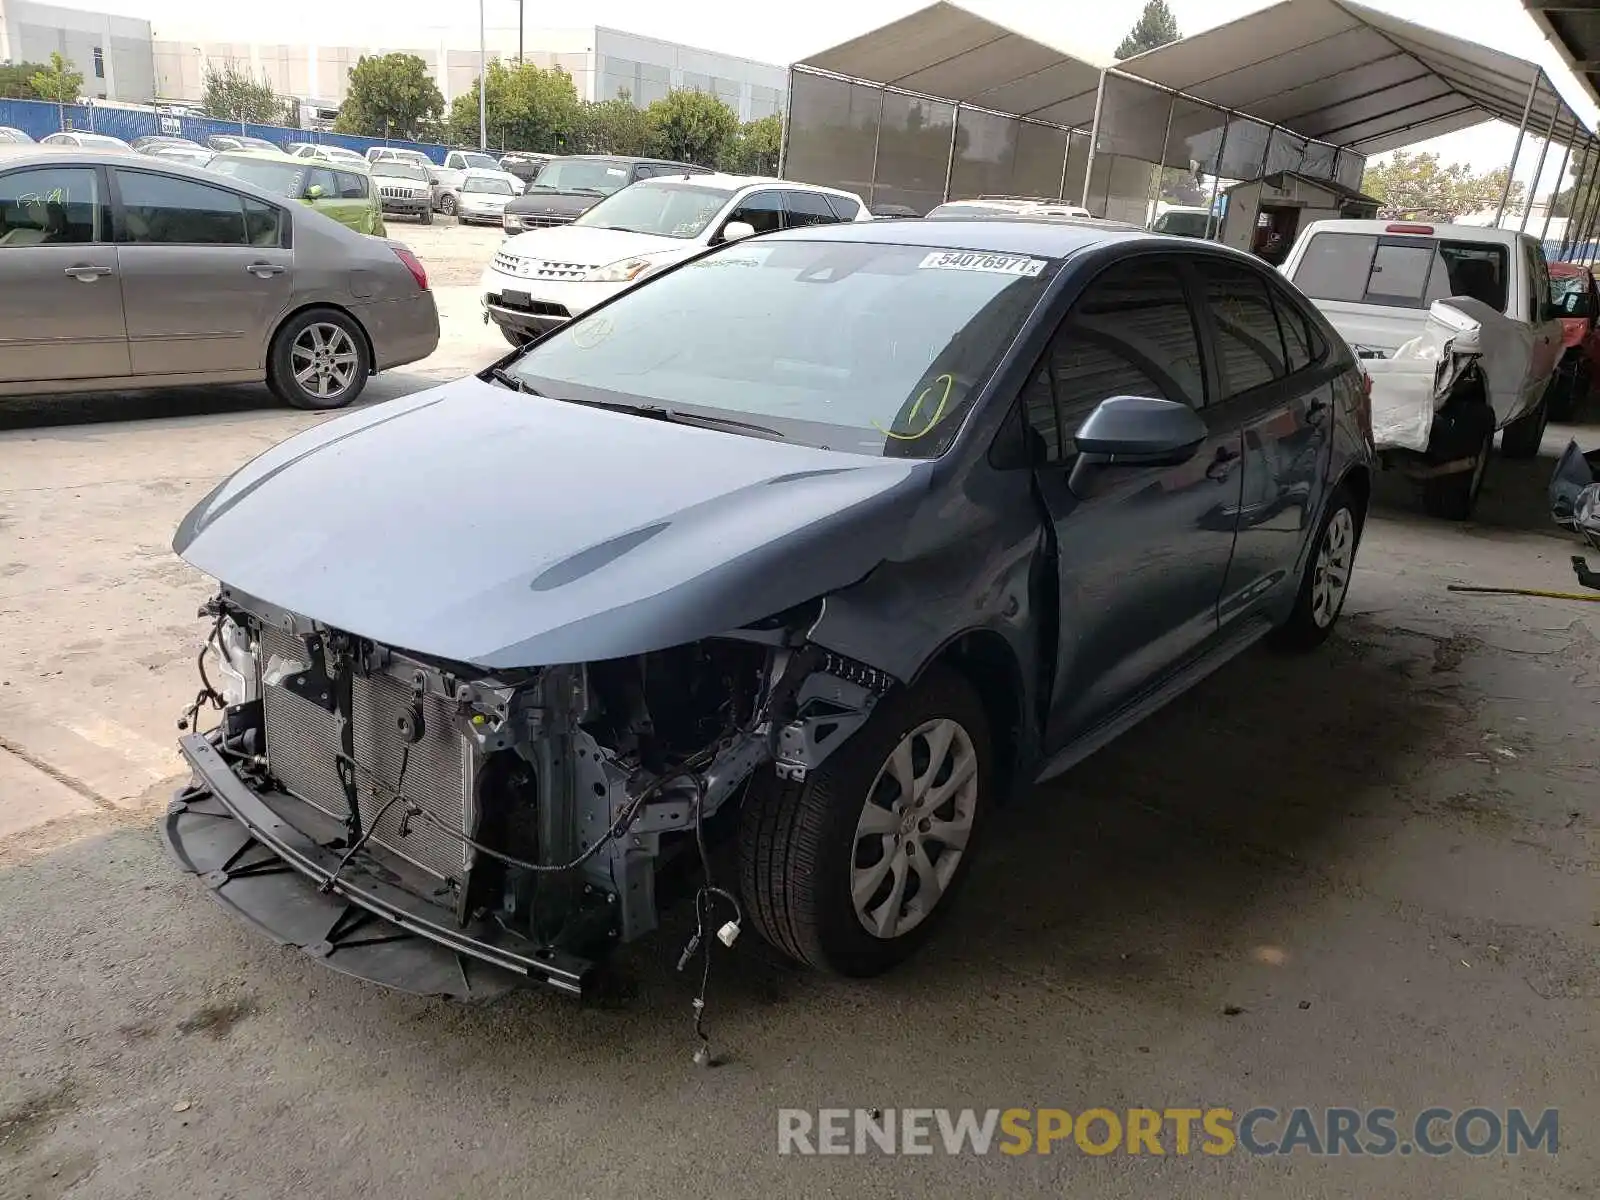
[452,830]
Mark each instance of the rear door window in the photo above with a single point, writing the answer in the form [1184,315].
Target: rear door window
[351,185]
[1249,341]
[847,208]
[808,208]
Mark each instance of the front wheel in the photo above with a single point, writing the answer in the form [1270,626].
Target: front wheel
[447,204]
[516,337]
[851,870]
[427,216]
[1326,580]
[1454,497]
[318,360]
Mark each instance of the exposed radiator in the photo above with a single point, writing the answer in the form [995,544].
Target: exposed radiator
[303,747]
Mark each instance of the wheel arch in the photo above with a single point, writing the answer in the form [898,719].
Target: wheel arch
[988,663]
[309,306]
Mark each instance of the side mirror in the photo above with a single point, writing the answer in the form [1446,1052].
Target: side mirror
[315,192]
[736,231]
[1139,430]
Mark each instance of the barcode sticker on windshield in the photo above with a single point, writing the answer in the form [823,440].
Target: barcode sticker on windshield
[994,264]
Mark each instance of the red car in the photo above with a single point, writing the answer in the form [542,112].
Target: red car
[1572,287]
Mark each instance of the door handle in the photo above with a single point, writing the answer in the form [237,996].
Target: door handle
[263,270]
[1315,409]
[84,273]
[1222,464]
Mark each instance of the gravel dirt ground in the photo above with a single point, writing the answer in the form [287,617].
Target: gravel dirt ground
[1362,878]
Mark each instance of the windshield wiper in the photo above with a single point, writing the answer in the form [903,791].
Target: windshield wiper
[506,379]
[656,412]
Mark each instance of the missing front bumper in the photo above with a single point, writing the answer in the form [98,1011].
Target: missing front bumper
[271,873]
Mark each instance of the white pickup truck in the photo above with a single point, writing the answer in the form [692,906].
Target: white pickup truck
[1458,332]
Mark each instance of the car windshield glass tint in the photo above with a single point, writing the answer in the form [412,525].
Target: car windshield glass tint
[286,179]
[676,211]
[874,349]
[1183,224]
[497,187]
[1562,286]
[401,169]
[582,175]
[483,161]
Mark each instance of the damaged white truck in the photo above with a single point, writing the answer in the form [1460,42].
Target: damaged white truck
[1456,329]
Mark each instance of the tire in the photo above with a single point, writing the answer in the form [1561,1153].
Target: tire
[296,347]
[1453,497]
[1561,396]
[427,216]
[447,204]
[803,847]
[517,339]
[1326,580]
[1523,436]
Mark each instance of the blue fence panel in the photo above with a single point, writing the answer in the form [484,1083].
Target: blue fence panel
[39,118]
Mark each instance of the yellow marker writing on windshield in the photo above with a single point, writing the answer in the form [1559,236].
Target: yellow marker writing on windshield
[949,382]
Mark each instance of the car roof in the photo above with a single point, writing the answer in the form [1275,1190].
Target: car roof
[1048,237]
[734,183]
[250,155]
[626,158]
[1439,229]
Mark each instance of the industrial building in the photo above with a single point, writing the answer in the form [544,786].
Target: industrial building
[115,54]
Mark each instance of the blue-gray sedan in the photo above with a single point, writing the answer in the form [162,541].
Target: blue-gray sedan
[820,543]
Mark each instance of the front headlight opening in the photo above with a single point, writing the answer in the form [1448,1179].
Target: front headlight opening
[622,271]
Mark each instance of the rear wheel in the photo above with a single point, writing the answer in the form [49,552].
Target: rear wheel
[318,360]
[1326,581]
[851,870]
[1453,497]
[447,204]
[515,337]
[1523,436]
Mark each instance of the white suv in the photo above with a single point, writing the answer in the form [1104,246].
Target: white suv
[544,277]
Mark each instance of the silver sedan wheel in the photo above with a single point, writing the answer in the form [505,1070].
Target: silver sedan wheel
[1335,556]
[324,360]
[914,828]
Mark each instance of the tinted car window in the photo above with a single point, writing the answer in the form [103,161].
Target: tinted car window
[263,223]
[1295,327]
[351,185]
[763,211]
[162,210]
[847,208]
[50,206]
[322,178]
[1130,334]
[1249,343]
[808,208]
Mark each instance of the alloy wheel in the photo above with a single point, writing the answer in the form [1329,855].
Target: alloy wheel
[1331,578]
[324,360]
[914,828]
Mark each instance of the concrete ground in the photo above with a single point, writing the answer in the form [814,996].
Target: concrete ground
[1362,878]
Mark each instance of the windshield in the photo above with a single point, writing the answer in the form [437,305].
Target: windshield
[99,139]
[668,210]
[286,179]
[1183,224]
[1562,286]
[256,143]
[193,155]
[484,162]
[405,170]
[873,349]
[971,210]
[497,186]
[582,175]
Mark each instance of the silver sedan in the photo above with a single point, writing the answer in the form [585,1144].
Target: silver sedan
[118,272]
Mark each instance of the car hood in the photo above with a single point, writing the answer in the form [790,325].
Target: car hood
[588,245]
[542,202]
[485,526]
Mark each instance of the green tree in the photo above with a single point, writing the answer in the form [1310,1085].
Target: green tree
[232,94]
[390,95]
[615,126]
[1156,26]
[1421,186]
[692,126]
[16,81]
[755,148]
[57,82]
[529,108]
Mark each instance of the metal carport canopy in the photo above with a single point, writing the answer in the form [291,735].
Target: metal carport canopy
[1353,76]
[1574,27]
[952,54]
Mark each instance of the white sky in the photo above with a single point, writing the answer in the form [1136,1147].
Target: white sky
[780,33]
